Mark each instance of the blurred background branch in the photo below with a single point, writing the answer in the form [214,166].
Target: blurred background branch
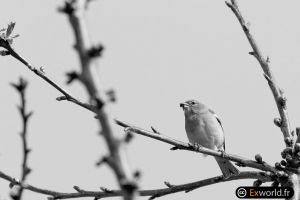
[25,115]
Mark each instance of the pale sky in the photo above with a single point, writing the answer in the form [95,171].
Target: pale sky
[157,54]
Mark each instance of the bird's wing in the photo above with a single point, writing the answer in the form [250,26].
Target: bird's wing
[218,119]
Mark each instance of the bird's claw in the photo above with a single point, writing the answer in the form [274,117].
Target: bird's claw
[195,146]
[223,153]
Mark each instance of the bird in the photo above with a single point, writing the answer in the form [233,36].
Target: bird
[204,128]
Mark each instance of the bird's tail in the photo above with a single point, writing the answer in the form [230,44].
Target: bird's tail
[227,168]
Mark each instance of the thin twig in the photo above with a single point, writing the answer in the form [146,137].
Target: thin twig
[186,146]
[40,72]
[265,65]
[264,177]
[75,10]
[21,88]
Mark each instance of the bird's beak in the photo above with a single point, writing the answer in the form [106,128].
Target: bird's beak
[183,105]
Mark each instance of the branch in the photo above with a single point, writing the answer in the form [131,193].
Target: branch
[258,164]
[279,97]
[21,87]
[6,44]
[171,189]
[75,10]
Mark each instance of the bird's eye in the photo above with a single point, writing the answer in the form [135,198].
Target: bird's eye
[193,103]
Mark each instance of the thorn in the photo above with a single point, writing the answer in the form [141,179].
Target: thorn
[189,190]
[68,8]
[61,98]
[258,159]
[27,170]
[228,4]
[169,185]
[252,53]
[42,70]
[72,76]
[28,115]
[95,51]
[174,148]
[102,161]
[28,151]
[278,122]
[154,130]
[78,189]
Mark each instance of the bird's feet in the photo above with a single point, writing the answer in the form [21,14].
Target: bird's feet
[223,153]
[195,146]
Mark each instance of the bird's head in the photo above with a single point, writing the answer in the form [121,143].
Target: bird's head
[192,107]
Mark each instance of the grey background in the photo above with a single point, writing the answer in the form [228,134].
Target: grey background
[158,54]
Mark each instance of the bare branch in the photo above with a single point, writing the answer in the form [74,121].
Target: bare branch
[279,97]
[196,148]
[75,10]
[21,88]
[40,72]
[263,177]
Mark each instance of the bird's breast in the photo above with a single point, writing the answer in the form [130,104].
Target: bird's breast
[195,129]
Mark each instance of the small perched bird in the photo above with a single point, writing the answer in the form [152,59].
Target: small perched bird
[204,128]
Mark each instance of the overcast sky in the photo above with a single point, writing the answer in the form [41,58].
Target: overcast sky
[157,54]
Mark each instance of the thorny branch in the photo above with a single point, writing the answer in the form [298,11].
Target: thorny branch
[21,87]
[170,189]
[277,92]
[117,160]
